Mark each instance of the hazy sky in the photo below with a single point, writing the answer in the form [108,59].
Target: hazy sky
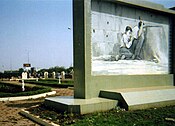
[38,30]
[166,3]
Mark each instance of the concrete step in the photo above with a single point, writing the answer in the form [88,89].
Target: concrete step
[80,106]
[142,98]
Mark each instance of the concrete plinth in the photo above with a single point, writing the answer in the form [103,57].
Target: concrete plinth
[142,98]
[80,106]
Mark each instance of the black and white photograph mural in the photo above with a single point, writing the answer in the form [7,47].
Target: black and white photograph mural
[128,41]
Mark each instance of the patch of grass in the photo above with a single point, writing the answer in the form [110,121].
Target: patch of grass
[12,90]
[149,117]
[115,117]
[52,83]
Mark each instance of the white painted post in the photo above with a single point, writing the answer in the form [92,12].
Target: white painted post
[63,75]
[53,75]
[24,76]
[23,84]
[72,73]
[45,75]
[59,77]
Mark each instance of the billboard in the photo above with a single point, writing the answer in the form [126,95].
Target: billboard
[26,65]
[126,41]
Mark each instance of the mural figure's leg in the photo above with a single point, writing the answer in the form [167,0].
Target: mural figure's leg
[133,47]
[139,46]
[125,53]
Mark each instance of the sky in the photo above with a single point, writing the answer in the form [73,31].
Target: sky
[166,3]
[39,32]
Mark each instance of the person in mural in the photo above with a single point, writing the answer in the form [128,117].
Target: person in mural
[138,39]
[126,43]
[131,42]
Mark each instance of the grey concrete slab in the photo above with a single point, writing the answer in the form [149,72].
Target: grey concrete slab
[81,106]
[144,4]
[142,98]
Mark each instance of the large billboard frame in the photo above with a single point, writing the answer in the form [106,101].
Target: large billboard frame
[88,86]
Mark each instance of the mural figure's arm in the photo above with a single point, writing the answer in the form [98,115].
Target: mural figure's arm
[127,41]
[140,30]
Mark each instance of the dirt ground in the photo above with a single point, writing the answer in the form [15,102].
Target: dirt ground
[9,111]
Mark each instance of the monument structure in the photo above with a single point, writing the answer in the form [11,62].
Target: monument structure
[123,55]
[46,75]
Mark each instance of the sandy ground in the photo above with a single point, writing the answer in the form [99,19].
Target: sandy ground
[9,111]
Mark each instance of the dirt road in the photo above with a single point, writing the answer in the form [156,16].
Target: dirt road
[9,111]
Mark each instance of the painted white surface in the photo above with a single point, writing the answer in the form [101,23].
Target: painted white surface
[127,67]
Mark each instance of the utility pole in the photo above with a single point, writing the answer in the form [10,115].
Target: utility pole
[11,64]
[28,56]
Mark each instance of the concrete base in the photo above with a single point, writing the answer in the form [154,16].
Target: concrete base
[27,97]
[142,98]
[80,106]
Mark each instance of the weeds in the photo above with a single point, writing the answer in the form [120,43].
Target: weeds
[115,117]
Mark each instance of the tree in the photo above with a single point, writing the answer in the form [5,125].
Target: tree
[68,70]
[20,71]
[1,75]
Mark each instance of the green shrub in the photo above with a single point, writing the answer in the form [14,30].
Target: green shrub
[52,83]
[11,90]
